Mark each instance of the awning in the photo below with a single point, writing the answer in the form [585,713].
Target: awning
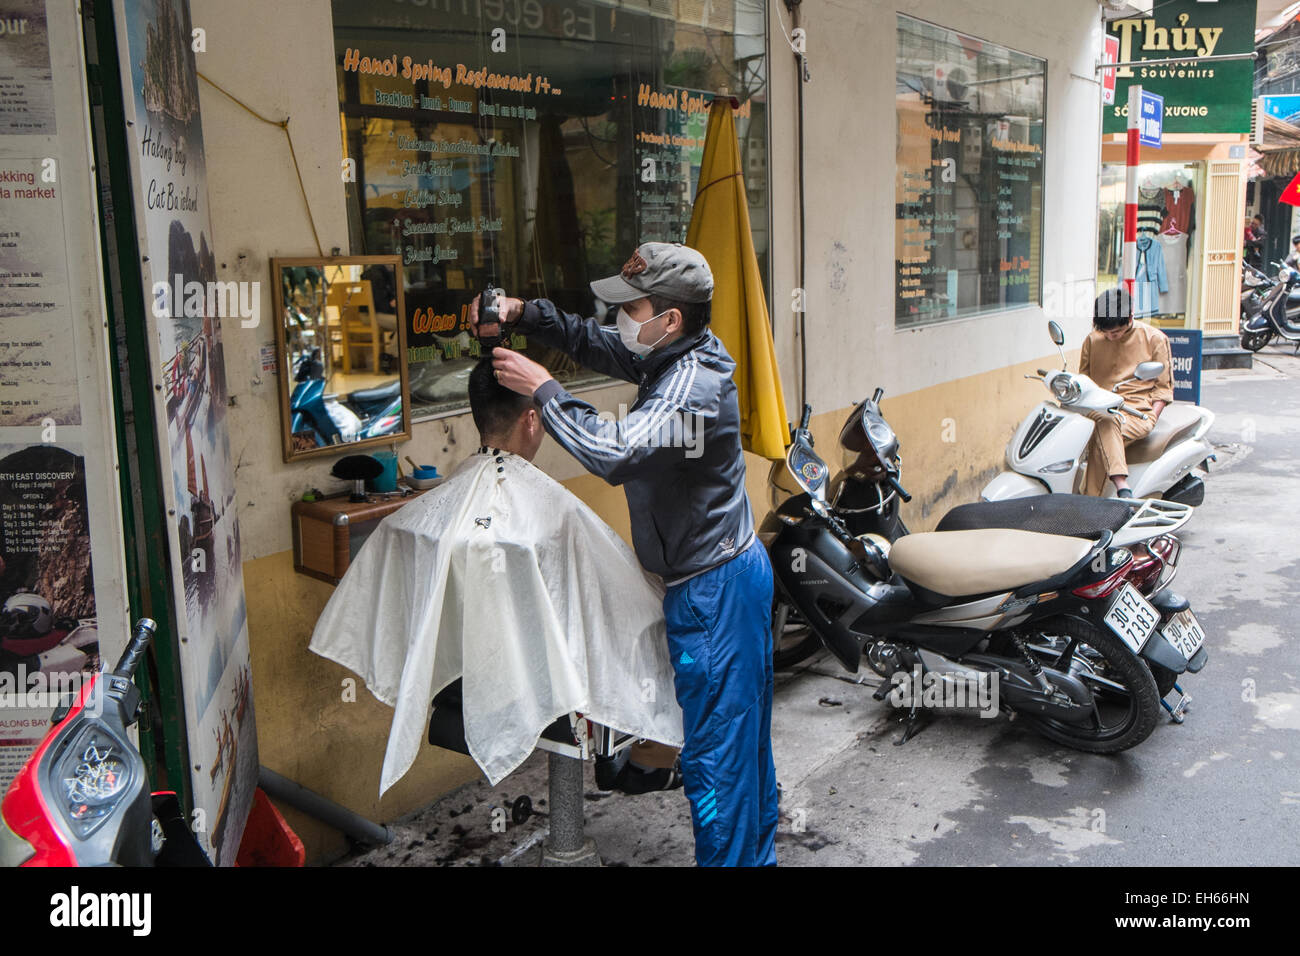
[1280,152]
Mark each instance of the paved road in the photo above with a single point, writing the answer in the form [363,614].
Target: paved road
[1222,788]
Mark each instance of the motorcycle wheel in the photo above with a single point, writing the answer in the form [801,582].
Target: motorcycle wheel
[1126,699]
[792,639]
[1254,341]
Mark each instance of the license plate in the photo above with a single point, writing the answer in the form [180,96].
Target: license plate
[1132,617]
[1184,632]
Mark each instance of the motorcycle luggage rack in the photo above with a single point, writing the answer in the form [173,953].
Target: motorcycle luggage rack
[1156,516]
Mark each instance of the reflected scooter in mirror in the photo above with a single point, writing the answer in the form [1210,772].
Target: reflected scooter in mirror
[1051,620]
[1045,453]
[324,420]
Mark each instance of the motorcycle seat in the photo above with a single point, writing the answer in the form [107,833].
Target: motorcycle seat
[1081,516]
[983,561]
[1176,423]
[384,393]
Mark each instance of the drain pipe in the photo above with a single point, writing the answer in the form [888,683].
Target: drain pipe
[314,805]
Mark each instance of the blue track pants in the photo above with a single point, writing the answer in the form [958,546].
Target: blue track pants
[720,640]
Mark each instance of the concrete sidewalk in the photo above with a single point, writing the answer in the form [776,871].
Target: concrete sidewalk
[1223,788]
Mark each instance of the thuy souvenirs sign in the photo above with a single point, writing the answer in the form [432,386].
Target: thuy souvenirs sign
[1201,96]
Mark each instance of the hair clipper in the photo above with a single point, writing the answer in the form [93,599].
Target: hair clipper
[490,330]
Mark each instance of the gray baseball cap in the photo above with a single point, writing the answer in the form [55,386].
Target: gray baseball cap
[669,269]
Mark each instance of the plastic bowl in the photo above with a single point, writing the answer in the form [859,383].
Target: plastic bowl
[422,484]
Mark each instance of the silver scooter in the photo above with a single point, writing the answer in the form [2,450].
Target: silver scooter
[1167,467]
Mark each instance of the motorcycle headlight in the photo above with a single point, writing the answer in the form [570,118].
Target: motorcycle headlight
[92,775]
[1057,467]
[1066,390]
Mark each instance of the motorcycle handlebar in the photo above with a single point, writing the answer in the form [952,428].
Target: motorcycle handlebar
[893,483]
[1042,373]
[880,393]
[1126,407]
[145,629]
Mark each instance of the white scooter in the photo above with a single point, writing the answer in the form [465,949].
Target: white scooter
[1167,467]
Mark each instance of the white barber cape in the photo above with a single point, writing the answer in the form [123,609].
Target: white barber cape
[501,576]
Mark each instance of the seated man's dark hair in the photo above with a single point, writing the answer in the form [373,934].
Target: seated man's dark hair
[495,408]
[695,315]
[1112,309]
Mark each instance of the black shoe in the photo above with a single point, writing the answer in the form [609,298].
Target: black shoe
[610,769]
[1124,493]
[635,779]
[619,773]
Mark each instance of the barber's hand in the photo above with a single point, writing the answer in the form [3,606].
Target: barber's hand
[509,309]
[517,372]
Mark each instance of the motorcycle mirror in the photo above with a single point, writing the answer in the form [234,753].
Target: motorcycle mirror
[1149,371]
[1058,337]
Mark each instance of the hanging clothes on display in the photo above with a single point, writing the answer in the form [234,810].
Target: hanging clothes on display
[1150,277]
[1173,247]
[1151,209]
[1180,209]
[1110,236]
[501,576]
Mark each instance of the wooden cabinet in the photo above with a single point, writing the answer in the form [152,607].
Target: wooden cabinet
[328,533]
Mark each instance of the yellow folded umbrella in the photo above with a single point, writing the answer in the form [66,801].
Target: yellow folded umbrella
[720,231]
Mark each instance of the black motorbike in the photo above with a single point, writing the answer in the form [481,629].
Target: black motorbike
[866,495]
[1051,621]
[1270,307]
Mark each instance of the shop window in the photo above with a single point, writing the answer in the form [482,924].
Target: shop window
[530,145]
[1169,246]
[969,176]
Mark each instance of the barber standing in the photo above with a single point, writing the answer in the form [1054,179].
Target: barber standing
[677,453]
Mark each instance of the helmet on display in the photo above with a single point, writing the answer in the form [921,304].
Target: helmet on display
[26,614]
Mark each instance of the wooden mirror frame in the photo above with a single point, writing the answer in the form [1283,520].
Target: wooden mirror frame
[278,265]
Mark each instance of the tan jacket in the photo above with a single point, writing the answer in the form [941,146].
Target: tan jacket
[1107,363]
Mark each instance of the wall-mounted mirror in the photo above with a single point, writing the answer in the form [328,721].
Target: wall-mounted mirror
[341,353]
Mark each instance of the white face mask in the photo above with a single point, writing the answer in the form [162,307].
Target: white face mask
[629,330]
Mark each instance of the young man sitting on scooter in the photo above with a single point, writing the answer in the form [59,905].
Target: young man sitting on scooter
[1111,353]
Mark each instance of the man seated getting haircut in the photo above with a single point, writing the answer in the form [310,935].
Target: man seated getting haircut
[502,577]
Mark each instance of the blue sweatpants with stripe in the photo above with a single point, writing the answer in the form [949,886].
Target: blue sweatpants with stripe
[720,640]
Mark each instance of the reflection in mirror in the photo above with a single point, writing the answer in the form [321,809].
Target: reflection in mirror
[1058,337]
[342,353]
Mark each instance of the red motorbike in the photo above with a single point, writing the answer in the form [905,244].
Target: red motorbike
[82,798]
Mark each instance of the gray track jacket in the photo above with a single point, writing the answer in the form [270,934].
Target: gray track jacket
[677,450]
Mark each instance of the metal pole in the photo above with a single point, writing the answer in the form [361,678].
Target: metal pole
[1166,61]
[314,805]
[1128,271]
[566,844]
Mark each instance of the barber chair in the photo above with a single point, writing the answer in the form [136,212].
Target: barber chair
[569,741]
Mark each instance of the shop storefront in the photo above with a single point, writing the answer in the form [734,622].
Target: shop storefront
[527,146]
[1191,190]
[1169,260]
